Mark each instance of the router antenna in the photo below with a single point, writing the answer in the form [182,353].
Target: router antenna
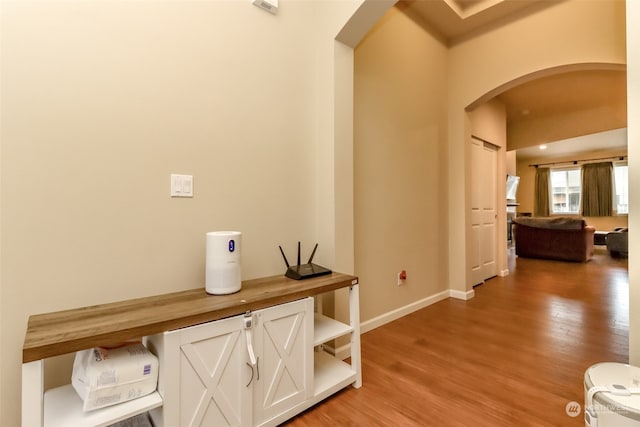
[298,252]
[312,254]
[284,256]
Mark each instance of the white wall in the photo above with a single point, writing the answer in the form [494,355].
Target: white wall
[101,101]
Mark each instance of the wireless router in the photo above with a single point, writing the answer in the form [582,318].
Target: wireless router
[303,271]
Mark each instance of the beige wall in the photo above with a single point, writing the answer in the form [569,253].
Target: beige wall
[511,162]
[489,122]
[101,101]
[399,152]
[633,135]
[572,32]
[474,68]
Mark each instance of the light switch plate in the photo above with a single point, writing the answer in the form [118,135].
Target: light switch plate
[181,185]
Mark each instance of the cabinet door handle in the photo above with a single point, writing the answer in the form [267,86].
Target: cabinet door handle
[251,380]
[257,371]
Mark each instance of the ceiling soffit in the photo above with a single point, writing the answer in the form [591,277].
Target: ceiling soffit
[564,93]
[467,8]
[457,20]
[532,100]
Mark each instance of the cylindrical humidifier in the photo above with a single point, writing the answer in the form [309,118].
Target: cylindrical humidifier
[223,262]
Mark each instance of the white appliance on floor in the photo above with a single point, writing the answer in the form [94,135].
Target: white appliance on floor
[612,395]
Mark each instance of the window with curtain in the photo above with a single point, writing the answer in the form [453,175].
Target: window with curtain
[566,189]
[541,189]
[597,189]
[621,183]
[593,189]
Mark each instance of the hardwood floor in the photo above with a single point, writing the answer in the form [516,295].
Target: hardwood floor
[515,355]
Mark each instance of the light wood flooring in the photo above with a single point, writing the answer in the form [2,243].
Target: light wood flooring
[515,355]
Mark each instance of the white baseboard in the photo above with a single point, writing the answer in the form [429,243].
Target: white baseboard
[402,311]
[462,295]
[343,351]
[340,353]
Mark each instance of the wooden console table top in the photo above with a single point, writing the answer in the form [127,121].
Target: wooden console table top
[53,334]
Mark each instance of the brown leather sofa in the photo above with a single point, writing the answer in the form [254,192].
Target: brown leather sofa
[559,238]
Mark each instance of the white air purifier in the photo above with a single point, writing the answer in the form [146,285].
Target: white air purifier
[223,262]
[612,395]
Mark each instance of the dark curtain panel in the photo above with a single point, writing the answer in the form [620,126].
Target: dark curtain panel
[597,189]
[541,201]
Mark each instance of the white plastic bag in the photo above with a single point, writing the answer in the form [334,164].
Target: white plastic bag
[107,376]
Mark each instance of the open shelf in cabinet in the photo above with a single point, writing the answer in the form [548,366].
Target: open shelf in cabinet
[330,375]
[325,329]
[63,408]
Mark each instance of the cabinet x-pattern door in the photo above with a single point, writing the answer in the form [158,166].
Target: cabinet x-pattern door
[285,341]
[213,372]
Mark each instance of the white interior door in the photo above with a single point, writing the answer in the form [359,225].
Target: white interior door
[484,163]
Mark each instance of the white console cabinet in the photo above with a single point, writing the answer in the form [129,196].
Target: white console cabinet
[253,358]
[207,376]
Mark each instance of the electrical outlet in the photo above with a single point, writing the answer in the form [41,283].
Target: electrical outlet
[402,276]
